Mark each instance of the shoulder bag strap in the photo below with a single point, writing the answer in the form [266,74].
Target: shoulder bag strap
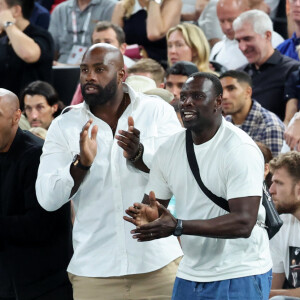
[195,170]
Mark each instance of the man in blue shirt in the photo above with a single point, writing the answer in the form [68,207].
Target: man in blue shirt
[289,46]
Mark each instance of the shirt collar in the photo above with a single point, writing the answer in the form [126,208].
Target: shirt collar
[73,3]
[274,59]
[252,116]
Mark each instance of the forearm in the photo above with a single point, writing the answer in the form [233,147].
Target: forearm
[155,24]
[161,18]
[24,46]
[118,15]
[282,292]
[78,176]
[140,165]
[190,16]
[232,225]
[290,110]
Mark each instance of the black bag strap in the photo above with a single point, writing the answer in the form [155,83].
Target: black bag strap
[195,170]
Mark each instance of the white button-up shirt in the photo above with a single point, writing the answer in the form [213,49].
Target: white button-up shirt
[103,245]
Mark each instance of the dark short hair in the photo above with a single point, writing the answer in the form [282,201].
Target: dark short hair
[265,151]
[44,89]
[104,25]
[240,76]
[267,157]
[26,5]
[217,86]
[184,68]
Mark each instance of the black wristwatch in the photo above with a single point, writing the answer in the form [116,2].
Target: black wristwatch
[76,163]
[178,229]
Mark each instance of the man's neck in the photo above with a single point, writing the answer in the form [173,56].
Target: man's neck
[239,117]
[22,23]
[204,134]
[10,140]
[297,29]
[296,214]
[82,4]
[269,53]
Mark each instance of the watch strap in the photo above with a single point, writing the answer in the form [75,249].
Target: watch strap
[8,23]
[179,228]
[76,163]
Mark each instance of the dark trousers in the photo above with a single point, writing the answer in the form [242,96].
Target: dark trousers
[63,292]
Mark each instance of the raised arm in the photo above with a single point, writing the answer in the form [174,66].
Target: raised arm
[24,46]
[88,151]
[58,179]
[162,17]
[118,14]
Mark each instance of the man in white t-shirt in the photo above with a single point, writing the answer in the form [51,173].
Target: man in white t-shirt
[226,255]
[285,246]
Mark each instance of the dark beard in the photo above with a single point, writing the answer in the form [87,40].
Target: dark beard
[104,94]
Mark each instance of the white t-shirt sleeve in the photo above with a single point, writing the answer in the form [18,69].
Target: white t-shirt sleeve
[244,167]
[157,181]
[277,256]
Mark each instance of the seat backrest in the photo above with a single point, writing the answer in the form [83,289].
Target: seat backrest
[65,81]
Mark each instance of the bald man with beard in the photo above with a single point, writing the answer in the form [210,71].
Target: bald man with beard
[33,253]
[99,154]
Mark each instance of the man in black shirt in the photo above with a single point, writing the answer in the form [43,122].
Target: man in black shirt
[35,245]
[26,51]
[268,68]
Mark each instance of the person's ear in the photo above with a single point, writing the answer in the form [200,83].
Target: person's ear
[267,170]
[268,35]
[16,117]
[249,91]
[121,75]
[161,85]
[297,191]
[218,102]
[123,48]
[54,108]
[16,11]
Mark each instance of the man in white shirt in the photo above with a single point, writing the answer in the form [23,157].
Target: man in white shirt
[226,255]
[224,51]
[285,246]
[107,263]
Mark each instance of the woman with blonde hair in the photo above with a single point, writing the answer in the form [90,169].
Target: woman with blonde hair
[187,42]
[146,22]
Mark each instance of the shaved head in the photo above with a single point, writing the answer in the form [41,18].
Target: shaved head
[227,12]
[242,5]
[101,75]
[10,115]
[110,53]
[10,99]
